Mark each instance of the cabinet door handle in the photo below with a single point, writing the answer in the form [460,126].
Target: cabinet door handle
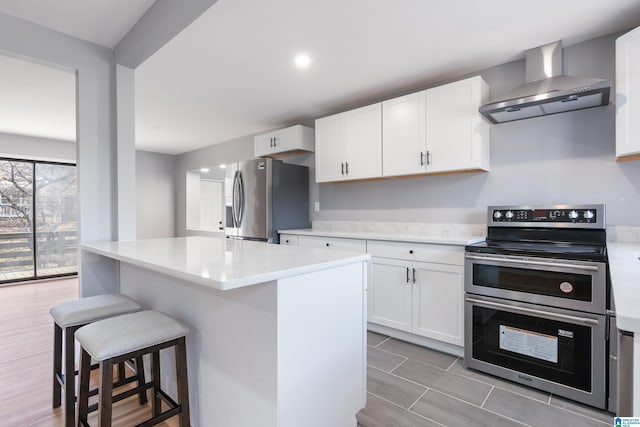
[428,157]
[407,274]
[271,142]
[421,158]
[347,168]
[414,275]
[342,168]
[275,141]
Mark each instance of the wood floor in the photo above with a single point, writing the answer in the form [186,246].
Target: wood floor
[26,339]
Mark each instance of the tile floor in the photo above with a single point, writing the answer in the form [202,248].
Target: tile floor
[411,386]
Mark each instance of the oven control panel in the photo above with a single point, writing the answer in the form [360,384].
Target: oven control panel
[549,216]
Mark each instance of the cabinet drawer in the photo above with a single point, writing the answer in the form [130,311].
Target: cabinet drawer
[442,254]
[337,243]
[289,239]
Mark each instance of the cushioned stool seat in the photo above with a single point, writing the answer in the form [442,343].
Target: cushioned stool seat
[130,336]
[87,310]
[68,317]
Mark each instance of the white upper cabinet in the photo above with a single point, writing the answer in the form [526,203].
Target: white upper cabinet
[433,131]
[457,137]
[349,145]
[330,148]
[437,130]
[284,142]
[628,95]
[403,136]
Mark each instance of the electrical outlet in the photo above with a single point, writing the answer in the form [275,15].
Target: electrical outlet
[316,206]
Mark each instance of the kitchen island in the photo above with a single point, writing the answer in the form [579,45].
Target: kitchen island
[624,265]
[277,333]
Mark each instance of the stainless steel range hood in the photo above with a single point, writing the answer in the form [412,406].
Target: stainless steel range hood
[547,91]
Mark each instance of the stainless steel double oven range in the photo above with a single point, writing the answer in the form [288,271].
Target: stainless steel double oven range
[536,300]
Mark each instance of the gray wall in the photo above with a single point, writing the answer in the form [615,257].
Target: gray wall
[34,148]
[565,158]
[155,195]
[226,152]
[95,120]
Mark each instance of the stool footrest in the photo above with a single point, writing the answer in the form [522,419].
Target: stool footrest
[167,399]
[128,393]
[125,381]
[160,418]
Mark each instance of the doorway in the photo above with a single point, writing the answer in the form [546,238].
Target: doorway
[38,192]
[38,220]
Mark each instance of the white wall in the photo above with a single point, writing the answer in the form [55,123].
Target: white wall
[155,195]
[34,148]
[94,67]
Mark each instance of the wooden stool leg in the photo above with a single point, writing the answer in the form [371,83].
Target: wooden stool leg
[57,365]
[122,374]
[69,377]
[156,408]
[83,387]
[142,397]
[105,393]
[183,383]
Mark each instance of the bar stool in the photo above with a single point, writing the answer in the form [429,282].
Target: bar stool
[68,317]
[129,336]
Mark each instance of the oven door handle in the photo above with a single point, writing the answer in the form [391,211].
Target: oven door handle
[538,263]
[524,310]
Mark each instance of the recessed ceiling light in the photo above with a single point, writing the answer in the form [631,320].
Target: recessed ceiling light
[302,60]
[204,170]
[223,166]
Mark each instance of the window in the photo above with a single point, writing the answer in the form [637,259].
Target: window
[38,220]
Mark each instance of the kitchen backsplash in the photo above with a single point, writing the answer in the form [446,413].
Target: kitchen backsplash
[615,233]
[426,229]
[621,233]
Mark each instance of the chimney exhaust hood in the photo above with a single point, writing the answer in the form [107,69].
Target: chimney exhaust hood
[547,91]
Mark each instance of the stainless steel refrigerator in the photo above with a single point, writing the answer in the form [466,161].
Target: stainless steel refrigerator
[263,196]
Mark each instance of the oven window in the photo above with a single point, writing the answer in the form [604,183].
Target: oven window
[563,285]
[548,349]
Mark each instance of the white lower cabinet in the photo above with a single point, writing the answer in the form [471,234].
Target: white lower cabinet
[416,288]
[390,294]
[337,243]
[438,302]
[416,296]
[289,239]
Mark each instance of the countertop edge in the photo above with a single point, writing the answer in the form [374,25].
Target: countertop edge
[408,238]
[255,279]
[624,268]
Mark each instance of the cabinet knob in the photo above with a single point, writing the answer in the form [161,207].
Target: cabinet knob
[327,244]
[286,241]
[410,251]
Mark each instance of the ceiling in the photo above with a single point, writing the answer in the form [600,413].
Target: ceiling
[231,73]
[103,22]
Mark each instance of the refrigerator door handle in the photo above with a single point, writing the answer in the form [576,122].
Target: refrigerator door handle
[235,201]
[241,198]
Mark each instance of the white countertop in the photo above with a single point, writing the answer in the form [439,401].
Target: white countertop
[396,237]
[625,282]
[222,263]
